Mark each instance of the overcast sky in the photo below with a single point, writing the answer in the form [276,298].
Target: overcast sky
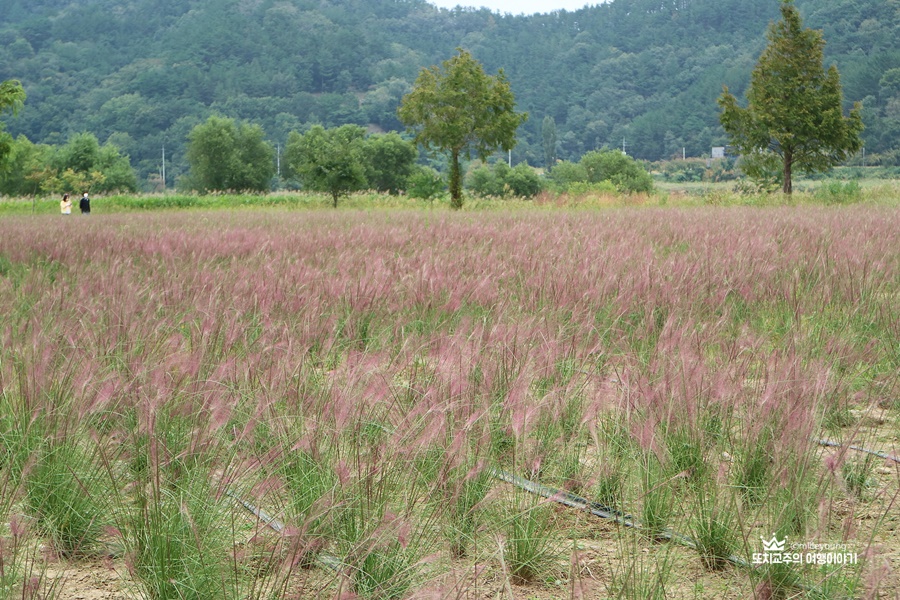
[517,7]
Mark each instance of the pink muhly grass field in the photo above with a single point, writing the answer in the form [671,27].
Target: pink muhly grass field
[405,353]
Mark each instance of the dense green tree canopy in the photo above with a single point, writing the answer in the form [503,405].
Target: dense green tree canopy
[389,162]
[329,160]
[80,165]
[12,96]
[794,105]
[225,155]
[24,166]
[425,183]
[458,108]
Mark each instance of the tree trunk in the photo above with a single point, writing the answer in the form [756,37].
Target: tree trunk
[788,163]
[455,181]
[334,196]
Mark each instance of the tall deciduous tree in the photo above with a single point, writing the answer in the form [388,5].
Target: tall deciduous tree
[328,160]
[794,105]
[84,165]
[225,155]
[12,97]
[390,161]
[458,108]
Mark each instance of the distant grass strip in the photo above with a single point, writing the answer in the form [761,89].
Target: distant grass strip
[817,193]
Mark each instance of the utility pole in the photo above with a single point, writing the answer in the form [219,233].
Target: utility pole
[278,158]
[164,167]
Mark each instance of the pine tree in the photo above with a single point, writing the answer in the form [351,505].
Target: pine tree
[794,105]
[548,133]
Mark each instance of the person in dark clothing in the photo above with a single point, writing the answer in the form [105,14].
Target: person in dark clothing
[85,204]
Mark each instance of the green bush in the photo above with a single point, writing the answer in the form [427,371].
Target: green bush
[620,169]
[502,181]
[61,493]
[583,188]
[424,183]
[565,173]
[839,192]
[610,169]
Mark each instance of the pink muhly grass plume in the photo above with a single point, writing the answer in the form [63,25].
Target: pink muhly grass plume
[17,527]
[645,432]
[433,433]
[522,419]
[879,571]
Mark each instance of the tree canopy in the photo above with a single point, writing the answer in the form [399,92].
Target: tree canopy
[328,160]
[82,164]
[457,108]
[12,97]
[794,105]
[226,155]
[390,161]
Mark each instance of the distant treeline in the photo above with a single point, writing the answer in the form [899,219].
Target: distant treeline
[642,75]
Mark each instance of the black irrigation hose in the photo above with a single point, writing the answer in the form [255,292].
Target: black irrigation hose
[599,510]
[560,496]
[269,521]
[883,455]
[595,508]
[326,560]
[563,497]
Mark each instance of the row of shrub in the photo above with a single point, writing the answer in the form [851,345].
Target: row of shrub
[494,186]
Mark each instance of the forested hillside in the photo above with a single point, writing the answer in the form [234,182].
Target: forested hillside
[643,73]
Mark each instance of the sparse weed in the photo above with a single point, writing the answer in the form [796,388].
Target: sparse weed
[777,581]
[178,541]
[753,471]
[464,510]
[21,436]
[857,475]
[310,484]
[384,571]
[657,498]
[64,491]
[643,574]
[530,541]
[610,487]
[686,455]
[22,573]
[713,530]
